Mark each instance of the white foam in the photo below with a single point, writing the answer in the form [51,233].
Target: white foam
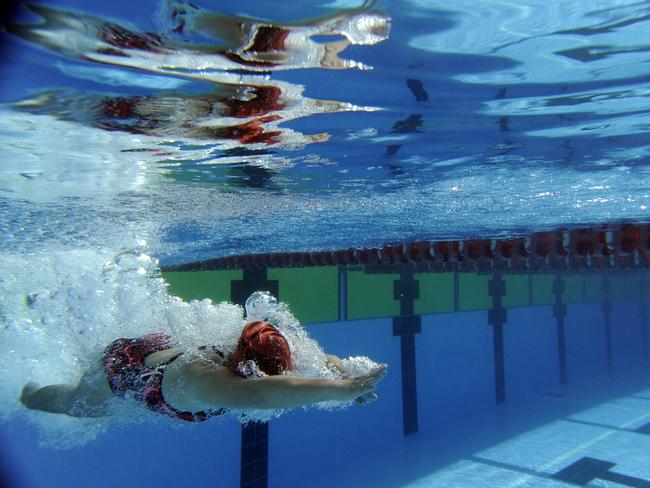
[61,309]
[76,271]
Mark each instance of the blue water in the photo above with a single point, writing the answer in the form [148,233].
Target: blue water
[515,134]
[125,147]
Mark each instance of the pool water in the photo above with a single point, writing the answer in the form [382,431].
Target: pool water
[457,190]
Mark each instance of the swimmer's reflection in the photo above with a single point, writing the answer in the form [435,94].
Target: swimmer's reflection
[205,381]
[238,42]
[245,108]
[243,115]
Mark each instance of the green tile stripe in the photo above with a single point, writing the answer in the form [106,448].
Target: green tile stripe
[542,289]
[593,288]
[517,291]
[473,292]
[436,293]
[577,288]
[615,288]
[311,293]
[371,295]
[573,289]
[197,285]
[622,288]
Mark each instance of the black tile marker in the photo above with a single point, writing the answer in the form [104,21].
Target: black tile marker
[406,290]
[559,312]
[607,321]
[254,464]
[497,317]
[643,317]
[586,469]
[583,471]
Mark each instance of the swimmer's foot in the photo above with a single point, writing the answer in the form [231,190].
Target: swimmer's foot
[27,392]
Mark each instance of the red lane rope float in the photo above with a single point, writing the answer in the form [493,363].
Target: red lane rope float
[611,246]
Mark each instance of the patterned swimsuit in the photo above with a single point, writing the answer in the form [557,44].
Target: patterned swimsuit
[124,364]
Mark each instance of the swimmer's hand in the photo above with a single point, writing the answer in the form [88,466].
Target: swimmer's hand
[360,388]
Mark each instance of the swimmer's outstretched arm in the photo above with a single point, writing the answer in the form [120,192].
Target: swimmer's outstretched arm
[217,386]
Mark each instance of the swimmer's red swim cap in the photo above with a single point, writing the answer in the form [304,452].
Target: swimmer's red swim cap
[262,343]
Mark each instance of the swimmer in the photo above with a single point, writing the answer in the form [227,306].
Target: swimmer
[203,383]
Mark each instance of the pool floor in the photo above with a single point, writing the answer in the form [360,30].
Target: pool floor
[605,445]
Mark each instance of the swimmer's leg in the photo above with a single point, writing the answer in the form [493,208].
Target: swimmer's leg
[86,399]
[51,398]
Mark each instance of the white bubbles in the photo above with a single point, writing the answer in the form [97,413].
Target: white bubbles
[197,323]
[249,369]
[61,309]
[358,365]
[260,305]
[77,272]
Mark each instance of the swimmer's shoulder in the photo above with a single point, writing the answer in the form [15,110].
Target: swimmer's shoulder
[159,357]
[200,354]
[189,379]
